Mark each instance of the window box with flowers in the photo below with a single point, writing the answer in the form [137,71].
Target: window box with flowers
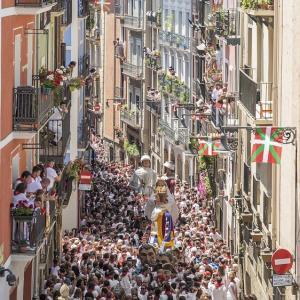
[131,149]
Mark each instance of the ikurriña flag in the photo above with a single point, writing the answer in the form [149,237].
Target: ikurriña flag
[267,145]
[208,147]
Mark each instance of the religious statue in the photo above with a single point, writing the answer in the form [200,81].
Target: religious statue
[144,178]
[162,227]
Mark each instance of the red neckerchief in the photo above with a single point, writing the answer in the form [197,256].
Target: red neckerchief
[218,285]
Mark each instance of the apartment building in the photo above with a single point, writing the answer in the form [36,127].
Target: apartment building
[35,40]
[176,84]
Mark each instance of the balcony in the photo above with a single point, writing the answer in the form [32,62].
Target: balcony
[167,130]
[83,8]
[154,18]
[32,106]
[256,98]
[28,232]
[34,3]
[225,113]
[67,17]
[175,40]
[227,24]
[65,187]
[132,70]
[58,8]
[54,138]
[84,65]
[133,22]
[154,107]
[131,118]
[153,62]
[258,8]
[174,88]
[118,9]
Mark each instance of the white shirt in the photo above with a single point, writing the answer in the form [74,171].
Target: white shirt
[20,197]
[51,175]
[33,186]
[219,293]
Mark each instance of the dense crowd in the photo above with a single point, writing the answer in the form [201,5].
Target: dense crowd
[108,257]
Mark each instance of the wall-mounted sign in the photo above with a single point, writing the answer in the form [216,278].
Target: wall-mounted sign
[282,280]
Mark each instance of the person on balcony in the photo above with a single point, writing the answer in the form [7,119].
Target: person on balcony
[52,175]
[20,194]
[55,125]
[25,178]
[36,173]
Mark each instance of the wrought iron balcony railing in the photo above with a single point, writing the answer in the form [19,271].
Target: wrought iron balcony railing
[153,106]
[132,70]
[173,39]
[65,187]
[84,65]
[133,22]
[34,3]
[83,8]
[131,118]
[32,106]
[54,138]
[256,98]
[59,6]
[167,130]
[27,232]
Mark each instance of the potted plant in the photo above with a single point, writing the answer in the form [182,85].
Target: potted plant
[270,4]
[75,84]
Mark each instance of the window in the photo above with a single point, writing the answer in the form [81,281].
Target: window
[15,167]
[267,210]
[17,60]
[187,25]
[180,22]
[166,18]
[173,62]
[173,21]
[186,73]
[179,68]
[166,61]
[29,59]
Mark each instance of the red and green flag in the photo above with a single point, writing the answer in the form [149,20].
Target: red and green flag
[208,147]
[267,145]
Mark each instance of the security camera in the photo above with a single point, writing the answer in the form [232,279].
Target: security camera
[10,278]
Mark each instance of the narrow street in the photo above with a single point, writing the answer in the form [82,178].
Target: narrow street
[149,149]
[110,255]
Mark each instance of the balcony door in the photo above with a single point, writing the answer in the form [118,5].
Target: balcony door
[17,60]
[29,58]
[136,51]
